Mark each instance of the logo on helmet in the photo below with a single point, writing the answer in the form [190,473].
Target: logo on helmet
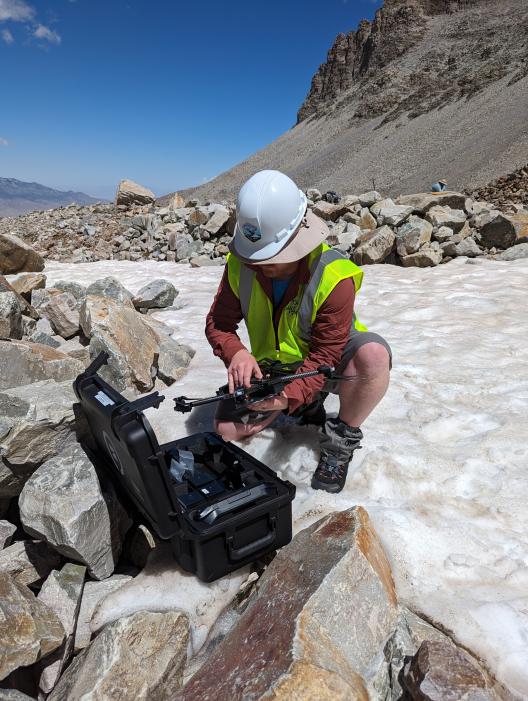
[251,232]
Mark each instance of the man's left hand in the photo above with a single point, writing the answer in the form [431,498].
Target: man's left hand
[276,403]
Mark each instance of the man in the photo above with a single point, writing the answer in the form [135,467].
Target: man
[296,296]
[440,186]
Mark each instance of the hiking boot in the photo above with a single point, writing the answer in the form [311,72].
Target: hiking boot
[337,448]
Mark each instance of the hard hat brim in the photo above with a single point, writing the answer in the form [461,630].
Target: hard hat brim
[312,232]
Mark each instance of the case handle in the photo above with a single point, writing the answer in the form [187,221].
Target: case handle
[240,553]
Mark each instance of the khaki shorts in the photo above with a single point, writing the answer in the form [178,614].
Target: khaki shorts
[229,411]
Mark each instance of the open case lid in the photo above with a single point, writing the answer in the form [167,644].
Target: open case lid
[127,445]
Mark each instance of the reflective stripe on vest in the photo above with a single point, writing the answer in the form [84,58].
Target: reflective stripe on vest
[327,268]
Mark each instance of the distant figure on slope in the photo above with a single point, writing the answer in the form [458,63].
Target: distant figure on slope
[440,186]
[296,296]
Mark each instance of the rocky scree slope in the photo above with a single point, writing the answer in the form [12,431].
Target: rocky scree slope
[428,89]
[18,197]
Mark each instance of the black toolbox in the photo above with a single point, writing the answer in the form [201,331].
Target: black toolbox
[219,507]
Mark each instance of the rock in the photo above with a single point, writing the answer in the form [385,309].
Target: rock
[74,288]
[313,194]
[93,593]
[468,247]
[36,423]
[176,201]
[329,211]
[28,562]
[61,311]
[111,288]
[185,246]
[7,530]
[366,220]
[61,593]
[27,309]
[74,348]
[11,325]
[427,257]
[367,199]
[173,359]
[514,253]
[443,234]
[122,333]
[445,216]
[520,224]
[216,225]
[44,339]
[374,246]
[412,235]
[14,695]
[348,238]
[422,202]
[31,362]
[155,295]
[25,284]
[130,193]
[29,630]
[386,212]
[496,229]
[440,672]
[205,261]
[17,256]
[112,666]
[40,297]
[197,217]
[64,503]
[325,607]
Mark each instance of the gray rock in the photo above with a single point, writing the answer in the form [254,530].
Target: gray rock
[11,325]
[130,193]
[374,246]
[443,234]
[110,287]
[313,194]
[422,202]
[155,295]
[496,230]
[173,359]
[330,596]
[45,339]
[412,235]
[29,326]
[109,669]
[36,423]
[205,261]
[514,253]
[18,257]
[74,348]
[61,593]
[427,257]
[28,561]
[41,296]
[217,224]
[367,199]
[93,594]
[389,213]
[366,220]
[44,326]
[347,239]
[445,216]
[25,283]
[7,530]
[468,247]
[29,630]
[64,503]
[74,288]
[61,311]
[14,695]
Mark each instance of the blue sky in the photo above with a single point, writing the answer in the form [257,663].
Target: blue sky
[167,93]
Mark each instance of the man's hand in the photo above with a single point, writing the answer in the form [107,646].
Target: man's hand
[276,403]
[241,369]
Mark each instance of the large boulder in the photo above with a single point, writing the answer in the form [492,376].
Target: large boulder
[468,247]
[130,342]
[11,325]
[17,256]
[422,202]
[130,193]
[412,235]
[27,282]
[36,423]
[64,503]
[28,562]
[389,213]
[26,307]
[23,362]
[328,211]
[445,216]
[61,311]
[427,257]
[514,253]
[217,223]
[110,287]
[29,630]
[173,359]
[500,231]
[155,295]
[367,199]
[61,593]
[367,220]
[374,246]
[139,657]
[317,627]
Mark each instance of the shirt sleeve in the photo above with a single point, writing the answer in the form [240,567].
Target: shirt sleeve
[330,332]
[222,322]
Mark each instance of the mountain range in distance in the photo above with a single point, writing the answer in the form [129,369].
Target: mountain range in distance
[18,197]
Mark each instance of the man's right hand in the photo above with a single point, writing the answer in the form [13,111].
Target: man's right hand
[241,369]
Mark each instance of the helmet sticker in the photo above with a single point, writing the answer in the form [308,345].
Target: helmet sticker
[251,232]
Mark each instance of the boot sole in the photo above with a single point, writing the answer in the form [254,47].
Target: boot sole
[330,488]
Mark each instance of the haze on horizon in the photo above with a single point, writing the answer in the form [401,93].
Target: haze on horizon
[97,92]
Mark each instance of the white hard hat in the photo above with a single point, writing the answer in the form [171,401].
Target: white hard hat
[270,207]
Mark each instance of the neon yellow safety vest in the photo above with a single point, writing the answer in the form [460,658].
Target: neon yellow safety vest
[327,268]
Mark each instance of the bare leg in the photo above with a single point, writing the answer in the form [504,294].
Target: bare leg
[232,431]
[358,398]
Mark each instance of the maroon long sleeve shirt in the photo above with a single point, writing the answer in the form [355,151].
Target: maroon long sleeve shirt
[330,330]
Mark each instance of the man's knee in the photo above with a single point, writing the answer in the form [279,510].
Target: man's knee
[370,360]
